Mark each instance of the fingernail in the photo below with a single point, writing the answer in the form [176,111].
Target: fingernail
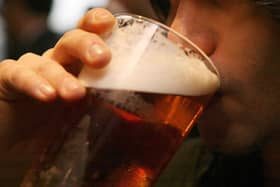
[45,91]
[96,49]
[101,15]
[96,54]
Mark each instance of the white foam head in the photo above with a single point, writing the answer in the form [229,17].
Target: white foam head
[144,60]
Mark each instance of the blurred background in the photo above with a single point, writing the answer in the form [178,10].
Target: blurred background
[32,25]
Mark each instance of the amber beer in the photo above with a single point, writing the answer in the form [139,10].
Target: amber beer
[128,141]
[130,148]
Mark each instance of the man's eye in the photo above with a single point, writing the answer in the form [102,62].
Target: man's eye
[162,9]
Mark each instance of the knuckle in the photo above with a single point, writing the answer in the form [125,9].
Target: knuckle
[26,56]
[6,65]
[48,53]
[77,39]
[71,33]
[88,39]
[49,66]
[15,74]
[44,67]
[68,38]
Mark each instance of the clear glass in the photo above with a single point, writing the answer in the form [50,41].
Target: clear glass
[139,109]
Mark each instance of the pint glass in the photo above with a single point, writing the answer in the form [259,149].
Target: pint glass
[140,108]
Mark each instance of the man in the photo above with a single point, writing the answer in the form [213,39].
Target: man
[240,36]
[27,27]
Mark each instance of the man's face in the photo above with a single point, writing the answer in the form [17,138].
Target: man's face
[244,43]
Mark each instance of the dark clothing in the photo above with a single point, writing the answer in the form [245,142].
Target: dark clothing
[195,166]
[40,44]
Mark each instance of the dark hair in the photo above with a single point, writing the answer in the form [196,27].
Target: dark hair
[39,6]
[272,6]
[36,6]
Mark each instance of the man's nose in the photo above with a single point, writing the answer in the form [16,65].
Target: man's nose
[202,36]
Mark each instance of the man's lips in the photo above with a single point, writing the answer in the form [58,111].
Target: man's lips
[215,99]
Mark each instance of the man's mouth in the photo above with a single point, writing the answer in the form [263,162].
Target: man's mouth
[215,98]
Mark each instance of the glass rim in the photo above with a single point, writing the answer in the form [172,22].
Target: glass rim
[173,31]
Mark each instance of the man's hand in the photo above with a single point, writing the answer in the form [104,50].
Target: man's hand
[34,89]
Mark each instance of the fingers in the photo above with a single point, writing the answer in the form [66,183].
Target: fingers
[83,46]
[44,78]
[17,77]
[40,78]
[65,84]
